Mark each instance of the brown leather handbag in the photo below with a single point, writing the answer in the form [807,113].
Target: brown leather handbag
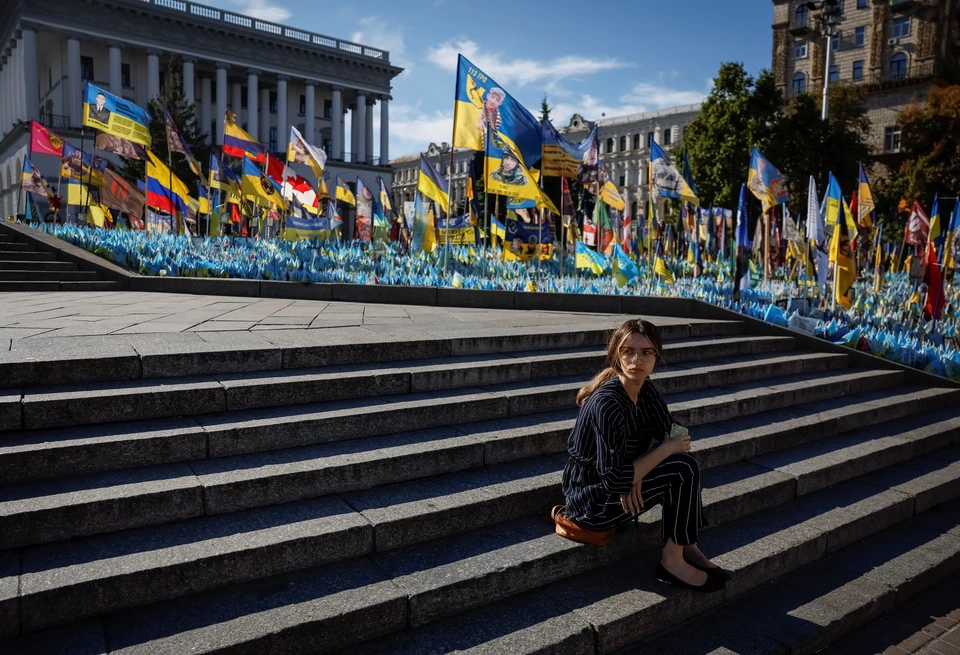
[565,527]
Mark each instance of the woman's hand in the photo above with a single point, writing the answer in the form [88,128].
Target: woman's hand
[632,502]
[678,444]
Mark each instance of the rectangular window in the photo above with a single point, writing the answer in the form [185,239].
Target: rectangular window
[858,70]
[667,136]
[649,138]
[273,102]
[86,68]
[860,36]
[125,75]
[636,141]
[623,143]
[891,139]
[901,27]
[243,97]
[834,74]
[835,42]
[800,49]
[862,4]
[273,139]
[303,105]
[327,108]
[623,180]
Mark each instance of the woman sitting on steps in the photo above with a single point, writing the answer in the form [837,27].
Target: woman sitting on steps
[627,453]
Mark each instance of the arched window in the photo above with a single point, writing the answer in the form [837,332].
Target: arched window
[898,66]
[803,16]
[800,83]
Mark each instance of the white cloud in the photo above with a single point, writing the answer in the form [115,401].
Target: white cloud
[520,71]
[375,32]
[262,9]
[412,130]
[642,97]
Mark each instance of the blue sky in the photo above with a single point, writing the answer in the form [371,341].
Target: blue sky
[595,58]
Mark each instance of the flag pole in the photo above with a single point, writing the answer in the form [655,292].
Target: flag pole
[486,194]
[16,211]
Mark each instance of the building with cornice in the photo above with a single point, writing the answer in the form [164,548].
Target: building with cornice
[272,76]
[895,49]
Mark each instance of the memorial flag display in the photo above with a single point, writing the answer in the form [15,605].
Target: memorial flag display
[114,115]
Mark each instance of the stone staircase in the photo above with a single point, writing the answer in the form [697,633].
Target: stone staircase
[220,504]
[24,268]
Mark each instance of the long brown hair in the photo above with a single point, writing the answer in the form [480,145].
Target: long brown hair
[624,332]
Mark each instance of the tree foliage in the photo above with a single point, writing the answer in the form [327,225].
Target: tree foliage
[175,101]
[742,112]
[930,143]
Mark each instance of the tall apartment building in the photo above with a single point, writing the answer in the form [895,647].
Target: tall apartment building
[896,49]
[271,75]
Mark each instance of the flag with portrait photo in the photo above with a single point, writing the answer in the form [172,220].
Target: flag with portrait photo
[122,196]
[84,167]
[43,141]
[765,181]
[344,193]
[115,115]
[120,146]
[481,106]
[561,158]
[666,178]
[31,180]
[363,226]
[301,152]
[176,143]
[508,176]
[223,178]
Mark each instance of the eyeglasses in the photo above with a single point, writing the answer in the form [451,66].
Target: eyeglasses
[645,355]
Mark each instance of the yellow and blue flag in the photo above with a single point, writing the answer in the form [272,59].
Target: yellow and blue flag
[238,143]
[424,238]
[508,176]
[561,158]
[688,178]
[344,193]
[834,201]
[431,184]
[660,267]
[165,191]
[481,106]
[953,236]
[115,115]
[31,180]
[224,179]
[589,259]
[256,185]
[765,181]
[866,210]
[383,213]
[936,231]
[625,270]
[611,196]
[667,178]
[497,229]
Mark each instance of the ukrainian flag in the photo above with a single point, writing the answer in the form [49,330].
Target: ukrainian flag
[588,259]
[507,175]
[936,231]
[765,181]
[344,193]
[481,105]
[660,267]
[846,271]
[237,143]
[223,178]
[424,238]
[497,229]
[432,185]
[256,186]
[834,200]
[866,209]
[667,178]
[165,191]
[625,269]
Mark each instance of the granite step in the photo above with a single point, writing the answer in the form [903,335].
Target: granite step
[310,349]
[28,265]
[15,246]
[88,403]
[24,255]
[44,276]
[469,512]
[6,286]
[312,610]
[52,510]
[807,610]
[798,613]
[90,285]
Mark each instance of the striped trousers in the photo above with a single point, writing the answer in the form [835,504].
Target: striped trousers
[674,484]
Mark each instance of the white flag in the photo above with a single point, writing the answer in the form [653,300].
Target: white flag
[814,215]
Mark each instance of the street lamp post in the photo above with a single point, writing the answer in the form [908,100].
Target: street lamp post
[830,11]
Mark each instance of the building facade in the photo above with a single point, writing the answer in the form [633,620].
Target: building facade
[625,144]
[895,49]
[406,169]
[272,76]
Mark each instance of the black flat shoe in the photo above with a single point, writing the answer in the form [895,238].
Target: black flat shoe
[715,571]
[712,584]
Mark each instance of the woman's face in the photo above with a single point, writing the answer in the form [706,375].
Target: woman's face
[638,357]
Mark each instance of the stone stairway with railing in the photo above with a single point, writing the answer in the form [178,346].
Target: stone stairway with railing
[25,268]
[213,505]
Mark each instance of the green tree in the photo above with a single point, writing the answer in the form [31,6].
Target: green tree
[740,112]
[544,108]
[182,112]
[930,143]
